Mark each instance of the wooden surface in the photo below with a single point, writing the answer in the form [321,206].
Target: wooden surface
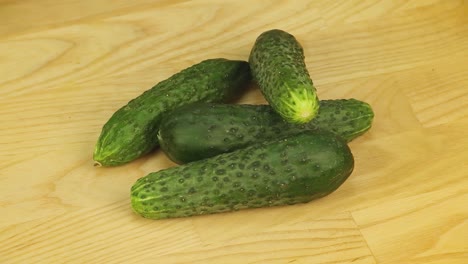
[66,66]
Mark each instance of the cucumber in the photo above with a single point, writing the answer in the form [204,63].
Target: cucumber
[278,67]
[130,132]
[203,130]
[296,169]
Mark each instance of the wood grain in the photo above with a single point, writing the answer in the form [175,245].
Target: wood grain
[66,66]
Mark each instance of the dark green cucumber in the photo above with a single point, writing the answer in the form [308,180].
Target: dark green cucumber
[297,169]
[202,130]
[130,132]
[277,65]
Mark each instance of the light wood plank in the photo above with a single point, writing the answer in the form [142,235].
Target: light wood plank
[96,236]
[66,66]
[429,225]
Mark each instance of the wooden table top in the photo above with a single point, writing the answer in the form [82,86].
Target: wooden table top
[66,66]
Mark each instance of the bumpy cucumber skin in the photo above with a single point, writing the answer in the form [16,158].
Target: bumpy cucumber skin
[204,130]
[293,170]
[277,65]
[130,132]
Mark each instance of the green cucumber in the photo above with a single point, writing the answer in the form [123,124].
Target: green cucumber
[130,132]
[203,130]
[296,169]
[278,67]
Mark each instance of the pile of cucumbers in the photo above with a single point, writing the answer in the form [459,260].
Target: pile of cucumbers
[236,156]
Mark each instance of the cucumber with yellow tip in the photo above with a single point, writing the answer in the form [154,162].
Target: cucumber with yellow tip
[278,66]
